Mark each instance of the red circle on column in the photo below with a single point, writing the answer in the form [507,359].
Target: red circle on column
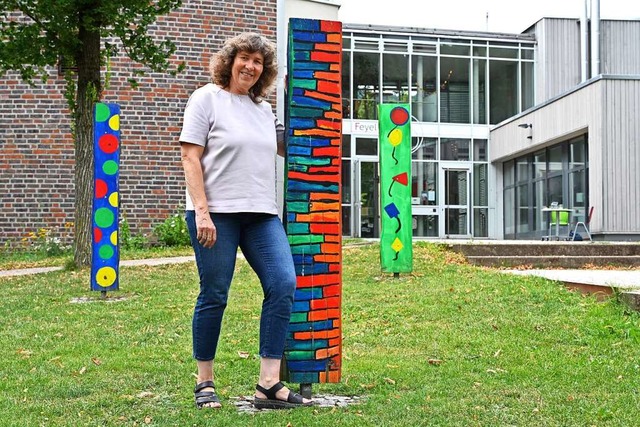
[97,234]
[399,116]
[108,143]
[101,188]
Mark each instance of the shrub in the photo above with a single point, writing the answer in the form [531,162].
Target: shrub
[173,231]
[129,241]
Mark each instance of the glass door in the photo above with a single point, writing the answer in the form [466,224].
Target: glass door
[455,185]
[366,212]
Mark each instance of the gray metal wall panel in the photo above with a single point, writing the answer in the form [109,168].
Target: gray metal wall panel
[621,174]
[558,60]
[620,47]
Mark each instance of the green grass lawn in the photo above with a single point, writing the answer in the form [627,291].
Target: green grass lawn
[450,345]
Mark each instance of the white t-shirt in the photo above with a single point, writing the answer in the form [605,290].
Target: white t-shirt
[240,140]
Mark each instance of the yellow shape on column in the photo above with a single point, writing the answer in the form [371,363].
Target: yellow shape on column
[114,122]
[106,276]
[397,245]
[395,137]
[113,199]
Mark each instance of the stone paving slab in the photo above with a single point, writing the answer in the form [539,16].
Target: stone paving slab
[623,279]
[27,271]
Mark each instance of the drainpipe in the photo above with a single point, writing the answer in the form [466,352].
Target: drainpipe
[281,26]
[281,56]
[595,37]
[584,42]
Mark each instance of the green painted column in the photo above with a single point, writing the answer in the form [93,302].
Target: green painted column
[396,252]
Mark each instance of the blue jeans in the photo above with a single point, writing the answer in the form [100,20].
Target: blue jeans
[265,246]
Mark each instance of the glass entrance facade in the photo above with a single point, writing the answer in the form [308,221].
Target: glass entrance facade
[457,88]
[556,174]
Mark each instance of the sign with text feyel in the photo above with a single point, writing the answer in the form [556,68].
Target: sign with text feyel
[396,252]
[367,127]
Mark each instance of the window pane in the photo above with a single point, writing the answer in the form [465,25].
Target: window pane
[577,189]
[498,52]
[480,190]
[479,51]
[526,53]
[540,164]
[424,176]
[346,181]
[454,90]
[527,85]
[509,220]
[367,146]
[539,202]
[523,169]
[346,145]
[366,85]
[555,158]
[480,222]
[480,91]
[454,149]
[346,221]
[508,171]
[454,49]
[424,83]
[424,148]
[523,208]
[395,78]
[503,97]
[425,225]
[479,150]
[346,82]
[456,220]
[555,190]
[577,154]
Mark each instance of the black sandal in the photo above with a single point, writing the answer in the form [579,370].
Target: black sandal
[294,400]
[204,397]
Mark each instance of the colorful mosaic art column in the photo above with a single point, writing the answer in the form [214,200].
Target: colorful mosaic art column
[105,255]
[312,200]
[396,252]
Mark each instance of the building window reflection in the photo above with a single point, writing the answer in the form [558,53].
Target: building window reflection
[557,174]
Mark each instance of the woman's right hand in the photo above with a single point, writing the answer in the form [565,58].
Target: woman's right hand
[206,230]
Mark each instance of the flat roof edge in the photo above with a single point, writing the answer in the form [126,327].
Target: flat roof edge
[437,32]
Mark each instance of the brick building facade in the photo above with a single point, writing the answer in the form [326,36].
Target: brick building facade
[37,154]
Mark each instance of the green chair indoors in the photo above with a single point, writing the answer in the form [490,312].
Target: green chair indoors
[559,219]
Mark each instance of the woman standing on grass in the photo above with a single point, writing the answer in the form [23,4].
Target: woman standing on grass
[229,141]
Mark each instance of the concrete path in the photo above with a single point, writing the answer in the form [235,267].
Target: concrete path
[131,262]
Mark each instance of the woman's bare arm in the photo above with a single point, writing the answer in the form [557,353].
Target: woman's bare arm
[191,155]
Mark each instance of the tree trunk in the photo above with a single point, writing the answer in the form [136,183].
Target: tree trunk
[88,92]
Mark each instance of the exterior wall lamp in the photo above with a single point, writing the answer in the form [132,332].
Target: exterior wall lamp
[527,126]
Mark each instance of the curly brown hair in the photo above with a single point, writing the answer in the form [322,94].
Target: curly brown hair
[221,63]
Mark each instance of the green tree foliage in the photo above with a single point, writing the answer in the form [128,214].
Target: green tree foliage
[37,34]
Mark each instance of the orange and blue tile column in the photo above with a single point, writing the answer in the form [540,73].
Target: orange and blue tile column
[313,215]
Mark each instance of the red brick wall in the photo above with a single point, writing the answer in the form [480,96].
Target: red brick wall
[36,148]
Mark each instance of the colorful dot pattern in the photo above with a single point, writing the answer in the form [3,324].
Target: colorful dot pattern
[396,252]
[105,254]
[313,352]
